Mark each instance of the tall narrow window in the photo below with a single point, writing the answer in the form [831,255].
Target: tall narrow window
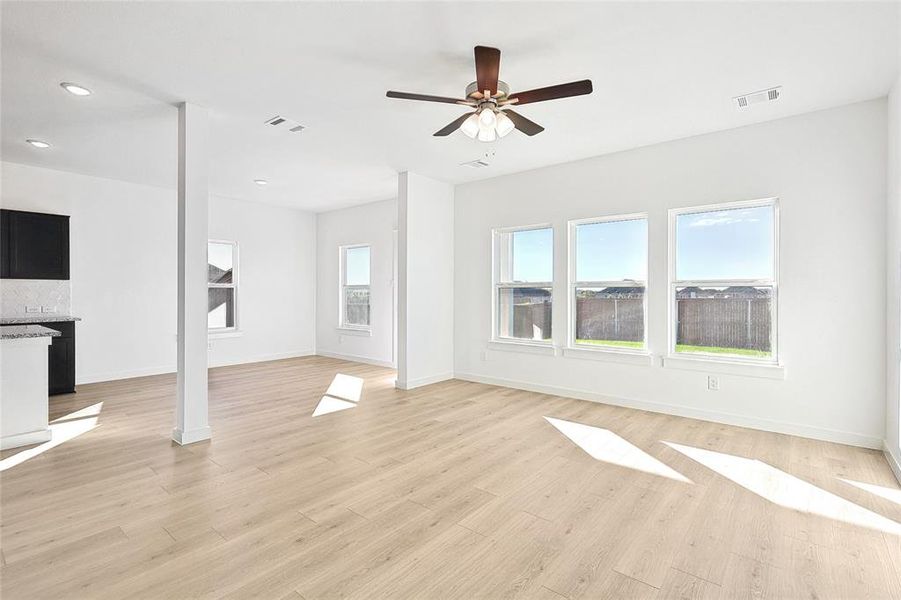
[523,283]
[725,281]
[222,285]
[609,263]
[355,293]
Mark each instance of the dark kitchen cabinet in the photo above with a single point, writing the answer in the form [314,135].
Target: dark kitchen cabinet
[62,358]
[33,245]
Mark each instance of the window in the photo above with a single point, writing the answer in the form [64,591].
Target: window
[724,281]
[608,274]
[523,283]
[222,285]
[355,295]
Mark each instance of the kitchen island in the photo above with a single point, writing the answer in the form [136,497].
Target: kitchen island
[23,384]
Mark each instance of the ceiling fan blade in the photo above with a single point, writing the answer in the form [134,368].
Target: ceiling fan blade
[564,90]
[488,65]
[427,98]
[452,126]
[523,124]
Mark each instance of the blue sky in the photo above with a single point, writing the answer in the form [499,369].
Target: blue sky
[612,251]
[724,244]
[357,266]
[533,255]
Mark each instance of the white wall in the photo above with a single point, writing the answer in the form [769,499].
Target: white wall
[829,170]
[893,280]
[374,224]
[425,281]
[123,271]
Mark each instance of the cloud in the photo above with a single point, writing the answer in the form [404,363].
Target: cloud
[723,218]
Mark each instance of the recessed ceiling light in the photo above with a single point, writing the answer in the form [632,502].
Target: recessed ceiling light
[38,143]
[261,182]
[75,89]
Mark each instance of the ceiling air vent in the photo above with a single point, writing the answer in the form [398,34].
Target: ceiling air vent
[479,163]
[746,100]
[285,123]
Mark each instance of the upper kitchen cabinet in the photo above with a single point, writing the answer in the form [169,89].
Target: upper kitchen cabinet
[33,245]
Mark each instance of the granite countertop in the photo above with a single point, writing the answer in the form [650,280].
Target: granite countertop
[37,318]
[15,332]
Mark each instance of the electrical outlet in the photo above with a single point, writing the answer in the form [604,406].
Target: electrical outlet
[32,309]
[713,383]
[48,309]
[209,345]
[484,356]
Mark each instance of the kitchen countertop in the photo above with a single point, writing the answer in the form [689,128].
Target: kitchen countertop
[37,318]
[15,332]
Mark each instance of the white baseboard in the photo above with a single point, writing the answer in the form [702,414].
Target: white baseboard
[415,383]
[260,358]
[817,433]
[356,358]
[130,374]
[893,461]
[183,438]
[26,439]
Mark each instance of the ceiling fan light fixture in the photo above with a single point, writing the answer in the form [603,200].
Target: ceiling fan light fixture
[504,124]
[470,126]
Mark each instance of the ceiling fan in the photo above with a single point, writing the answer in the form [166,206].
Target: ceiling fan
[491,99]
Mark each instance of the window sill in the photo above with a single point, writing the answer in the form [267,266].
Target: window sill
[726,367]
[233,333]
[527,347]
[354,331]
[631,357]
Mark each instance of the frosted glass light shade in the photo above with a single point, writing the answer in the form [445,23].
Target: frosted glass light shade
[470,126]
[504,124]
[487,134]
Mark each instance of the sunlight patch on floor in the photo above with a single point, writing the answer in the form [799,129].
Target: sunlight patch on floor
[346,387]
[329,405]
[63,429]
[786,490]
[88,411]
[890,494]
[604,445]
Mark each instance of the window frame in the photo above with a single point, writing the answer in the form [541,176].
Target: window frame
[233,285]
[497,285]
[343,286]
[574,283]
[674,283]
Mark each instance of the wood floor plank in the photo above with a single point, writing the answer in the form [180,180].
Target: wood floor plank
[454,490]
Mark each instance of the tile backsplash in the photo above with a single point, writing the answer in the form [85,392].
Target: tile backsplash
[16,294]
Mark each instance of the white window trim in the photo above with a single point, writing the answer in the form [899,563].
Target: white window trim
[342,260]
[510,342]
[227,331]
[683,359]
[573,348]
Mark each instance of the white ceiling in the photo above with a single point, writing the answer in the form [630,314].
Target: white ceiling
[660,72]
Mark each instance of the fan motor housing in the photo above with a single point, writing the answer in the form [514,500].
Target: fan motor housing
[473,91]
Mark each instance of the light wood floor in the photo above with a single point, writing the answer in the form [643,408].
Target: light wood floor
[456,490]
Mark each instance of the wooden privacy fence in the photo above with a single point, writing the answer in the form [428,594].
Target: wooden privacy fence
[527,317]
[718,322]
[620,319]
[724,322]
[357,308]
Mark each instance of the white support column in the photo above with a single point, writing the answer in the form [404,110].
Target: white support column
[425,292]
[191,412]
